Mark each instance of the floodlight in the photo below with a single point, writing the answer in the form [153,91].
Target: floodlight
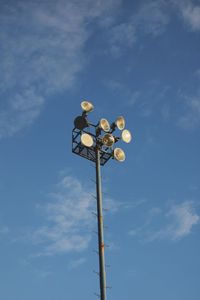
[96,142]
[108,140]
[119,154]
[120,123]
[104,124]
[126,136]
[80,122]
[87,106]
[87,140]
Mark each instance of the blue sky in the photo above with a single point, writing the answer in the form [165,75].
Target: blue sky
[139,59]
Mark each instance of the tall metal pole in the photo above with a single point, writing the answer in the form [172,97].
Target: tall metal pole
[97,146]
[102,273]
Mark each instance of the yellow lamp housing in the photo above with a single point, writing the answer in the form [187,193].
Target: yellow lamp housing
[120,123]
[119,154]
[126,136]
[108,140]
[104,124]
[87,106]
[87,140]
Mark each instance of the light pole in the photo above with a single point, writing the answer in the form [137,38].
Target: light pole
[96,143]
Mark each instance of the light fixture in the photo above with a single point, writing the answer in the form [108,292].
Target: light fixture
[120,123]
[87,140]
[80,122]
[119,154]
[108,140]
[87,106]
[126,136]
[104,124]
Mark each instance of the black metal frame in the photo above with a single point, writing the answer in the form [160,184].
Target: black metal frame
[89,152]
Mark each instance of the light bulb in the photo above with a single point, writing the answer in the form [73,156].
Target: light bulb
[119,154]
[87,106]
[126,136]
[87,140]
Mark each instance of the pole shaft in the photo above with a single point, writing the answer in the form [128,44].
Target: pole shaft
[102,273]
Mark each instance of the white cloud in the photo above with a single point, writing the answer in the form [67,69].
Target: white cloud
[180,221]
[41,52]
[175,224]
[122,36]
[190,13]
[150,19]
[20,112]
[68,218]
[191,117]
[184,218]
[77,263]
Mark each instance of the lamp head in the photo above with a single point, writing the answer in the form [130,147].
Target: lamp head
[120,123]
[108,140]
[87,140]
[126,136]
[80,122]
[104,124]
[119,154]
[87,106]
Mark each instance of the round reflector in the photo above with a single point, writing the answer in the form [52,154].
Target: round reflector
[87,106]
[126,136]
[108,140]
[87,140]
[104,124]
[119,154]
[120,123]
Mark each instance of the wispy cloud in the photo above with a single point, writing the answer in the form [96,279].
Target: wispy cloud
[20,112]
[175,224]
[42,52]
[184,217]
[151,19]
[68,218]
[153,98]
[190,13]
[190,118]
[77,263]
[122,36]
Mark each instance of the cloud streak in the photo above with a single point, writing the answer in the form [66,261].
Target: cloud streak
[42,52]
[190,13]
[177,223]
[190,119]
[150,19]
[42,47]
[68,218]
[77,263]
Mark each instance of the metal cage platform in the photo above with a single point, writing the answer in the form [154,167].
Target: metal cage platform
[88,152]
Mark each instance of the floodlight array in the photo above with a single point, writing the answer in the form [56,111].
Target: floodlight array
[103,136]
